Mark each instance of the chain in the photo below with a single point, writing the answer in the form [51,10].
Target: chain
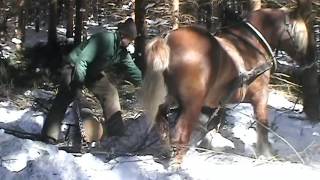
[84,144]
[215,113]
[316,29]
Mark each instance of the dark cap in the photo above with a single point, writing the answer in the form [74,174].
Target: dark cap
[128,28]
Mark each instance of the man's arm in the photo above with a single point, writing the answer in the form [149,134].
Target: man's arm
[83,55]
[133,71]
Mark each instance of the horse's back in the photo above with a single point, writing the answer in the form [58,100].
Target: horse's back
[190,39]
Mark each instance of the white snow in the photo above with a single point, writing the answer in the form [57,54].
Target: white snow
[27,159]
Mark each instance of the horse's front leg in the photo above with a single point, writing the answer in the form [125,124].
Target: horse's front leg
[263,146]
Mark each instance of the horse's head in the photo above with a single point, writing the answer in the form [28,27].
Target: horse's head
[296,37]
[288,29]
[296,34]
[291,30]
[293,36]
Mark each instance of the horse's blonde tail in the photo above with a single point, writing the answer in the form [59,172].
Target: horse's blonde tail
[154,90]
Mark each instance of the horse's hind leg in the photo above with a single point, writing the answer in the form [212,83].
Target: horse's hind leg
[263,146]
[188,117]
[163,127]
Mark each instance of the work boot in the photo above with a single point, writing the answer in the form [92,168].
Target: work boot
[50,132]
[48,139]
[114,126]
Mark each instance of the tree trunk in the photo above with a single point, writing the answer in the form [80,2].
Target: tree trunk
[21,23]
[175,14]
[310,79]
[69,14]
[95,6]
[3,25]
[140,42]
[205,14]
[4,71]
[85,19]
[37,17]
[311,93]
[60,11]
[217,16]
[52,31]
[78,21]
[99,11]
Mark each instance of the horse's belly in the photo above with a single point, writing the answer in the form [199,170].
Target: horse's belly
[214,97]
[217,95]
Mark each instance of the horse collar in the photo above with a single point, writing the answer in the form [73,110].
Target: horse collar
[264,42]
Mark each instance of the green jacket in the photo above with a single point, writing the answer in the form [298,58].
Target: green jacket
[99,53]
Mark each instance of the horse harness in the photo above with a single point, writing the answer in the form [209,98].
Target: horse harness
[246,77]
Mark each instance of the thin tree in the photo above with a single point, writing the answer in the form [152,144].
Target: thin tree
[21,27]
[53,20]
[175,14]
[79,21]
[37,17]
[140,42]
[206,11]
[3,23]
[85,19]
[60,10]
[69,14]
[95,7]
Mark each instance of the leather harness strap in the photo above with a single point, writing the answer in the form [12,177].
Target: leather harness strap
[245,77]
[264,42]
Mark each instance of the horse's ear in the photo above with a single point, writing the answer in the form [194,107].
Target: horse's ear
[304,8]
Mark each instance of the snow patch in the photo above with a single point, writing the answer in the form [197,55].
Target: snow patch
[26,159]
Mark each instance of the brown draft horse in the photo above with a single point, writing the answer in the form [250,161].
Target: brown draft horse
[193,69]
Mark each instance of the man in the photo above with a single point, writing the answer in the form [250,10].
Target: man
[87,65]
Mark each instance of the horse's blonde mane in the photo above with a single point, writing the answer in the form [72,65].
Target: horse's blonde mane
[299,31]
[300,35]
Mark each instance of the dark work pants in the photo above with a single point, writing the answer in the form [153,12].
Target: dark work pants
[101,87]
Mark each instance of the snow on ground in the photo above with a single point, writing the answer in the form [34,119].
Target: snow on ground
[232,154]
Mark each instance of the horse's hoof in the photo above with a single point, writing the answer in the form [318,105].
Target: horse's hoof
[265,152]
[174,165]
